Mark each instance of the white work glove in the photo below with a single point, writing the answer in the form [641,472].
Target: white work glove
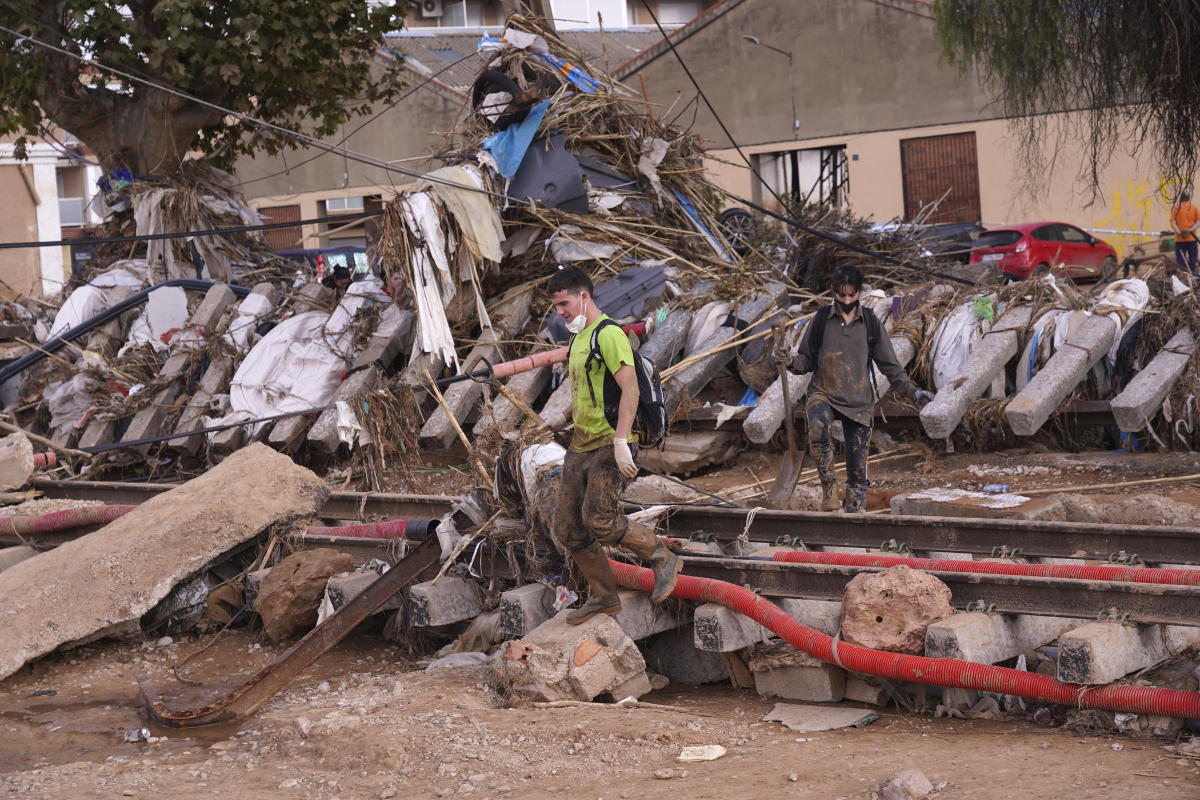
[625,463]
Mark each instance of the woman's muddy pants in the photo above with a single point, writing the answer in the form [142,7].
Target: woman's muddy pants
[821,417]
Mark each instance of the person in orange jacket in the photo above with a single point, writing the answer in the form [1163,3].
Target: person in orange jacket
[1185,218]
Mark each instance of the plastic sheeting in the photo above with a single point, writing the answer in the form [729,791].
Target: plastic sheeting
[241,333]
[509,145]
[84,303]
[433,285]
[482,229]
[705,324]
[299,363]
[1124,302]
[953,342]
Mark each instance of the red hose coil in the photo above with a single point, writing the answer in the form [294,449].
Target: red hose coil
[1187,577]
[918,669]
[63,520]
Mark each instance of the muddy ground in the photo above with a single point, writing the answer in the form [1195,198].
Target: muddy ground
[368,722]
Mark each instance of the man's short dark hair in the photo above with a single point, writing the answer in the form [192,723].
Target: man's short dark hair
[847,275]
[570,279]
[1185,196]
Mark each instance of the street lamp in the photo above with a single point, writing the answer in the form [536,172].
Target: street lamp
[791,77]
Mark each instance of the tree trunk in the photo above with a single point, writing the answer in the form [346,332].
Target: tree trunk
[148,132]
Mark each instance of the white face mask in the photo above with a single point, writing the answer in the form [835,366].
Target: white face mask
[580,322]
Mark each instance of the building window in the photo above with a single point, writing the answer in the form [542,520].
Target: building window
[336,204]
[677,12]
[818,176]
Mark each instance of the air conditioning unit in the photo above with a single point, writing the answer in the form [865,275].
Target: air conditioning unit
[431,8]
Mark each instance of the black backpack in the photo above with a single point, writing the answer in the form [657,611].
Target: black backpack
[650,422]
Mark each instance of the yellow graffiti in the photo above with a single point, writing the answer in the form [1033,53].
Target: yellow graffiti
[1138,208]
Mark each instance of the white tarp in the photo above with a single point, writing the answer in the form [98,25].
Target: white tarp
[82,304]
[953,342]
[298,365]
[165,310]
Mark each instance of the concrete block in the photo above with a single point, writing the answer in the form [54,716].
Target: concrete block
[98,432]
[324,433]
[640,617]
[942,415]
[691,381]
[449,600]
[557,661]
[11,556]
[109,337]
[392,335]
[768,413]
[557,410]
[504,416]
[721,630]
[820,615]
[817,683]
[668,339]
[216,300]
[524,608]
[942,502]
[215,380]
[992,638]
[345,587]
[673,654]
[862,690]
[1102,652]
[904,351]
[1069,365]
[1142,397]
[254,581]
[684,453]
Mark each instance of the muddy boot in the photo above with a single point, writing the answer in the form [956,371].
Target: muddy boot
[602,586]
[829,501]
[856,500]
[666,565]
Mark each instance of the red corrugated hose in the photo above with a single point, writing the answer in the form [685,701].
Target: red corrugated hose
[918,669]
[63,520]
[1186,577]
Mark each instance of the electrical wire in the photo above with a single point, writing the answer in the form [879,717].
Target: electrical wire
[152,237]
[247,118]
[795,223]
[365,123]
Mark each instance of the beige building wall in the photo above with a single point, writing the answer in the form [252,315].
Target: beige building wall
[20,269]
[1130,208]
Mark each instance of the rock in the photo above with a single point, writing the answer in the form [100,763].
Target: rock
[891,610]
[16,461]
[291,592]
[910,784]
[557,661]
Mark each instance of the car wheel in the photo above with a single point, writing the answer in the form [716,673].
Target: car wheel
[737,226]
[1108,270]
[1040,270]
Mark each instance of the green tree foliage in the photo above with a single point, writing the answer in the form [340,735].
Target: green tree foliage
[1122,65]
[294,63]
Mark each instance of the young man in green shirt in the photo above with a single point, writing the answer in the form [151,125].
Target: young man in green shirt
[599,463]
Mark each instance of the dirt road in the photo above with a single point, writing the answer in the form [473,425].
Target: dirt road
[377,728]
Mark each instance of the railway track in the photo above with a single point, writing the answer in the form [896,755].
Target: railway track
[1019,594]
[978,536]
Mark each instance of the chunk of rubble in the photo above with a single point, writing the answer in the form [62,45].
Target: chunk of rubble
[891,610]
[107,580]
[557,661]
[292,590]
[16,461]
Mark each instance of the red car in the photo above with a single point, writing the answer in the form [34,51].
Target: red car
[1037,248]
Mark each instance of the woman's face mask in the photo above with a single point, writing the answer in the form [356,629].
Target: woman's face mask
[846,298]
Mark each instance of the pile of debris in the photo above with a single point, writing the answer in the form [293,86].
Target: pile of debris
[176,355]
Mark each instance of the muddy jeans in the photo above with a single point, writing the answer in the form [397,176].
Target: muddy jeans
[821,417]
[589,506]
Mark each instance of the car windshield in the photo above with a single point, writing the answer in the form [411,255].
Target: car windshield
[997,238]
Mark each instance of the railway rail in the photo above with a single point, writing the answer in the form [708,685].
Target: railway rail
[1131,544]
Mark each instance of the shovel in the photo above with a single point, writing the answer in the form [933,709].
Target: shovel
[793,460]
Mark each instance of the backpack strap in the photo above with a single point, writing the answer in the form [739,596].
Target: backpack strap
[594,354]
